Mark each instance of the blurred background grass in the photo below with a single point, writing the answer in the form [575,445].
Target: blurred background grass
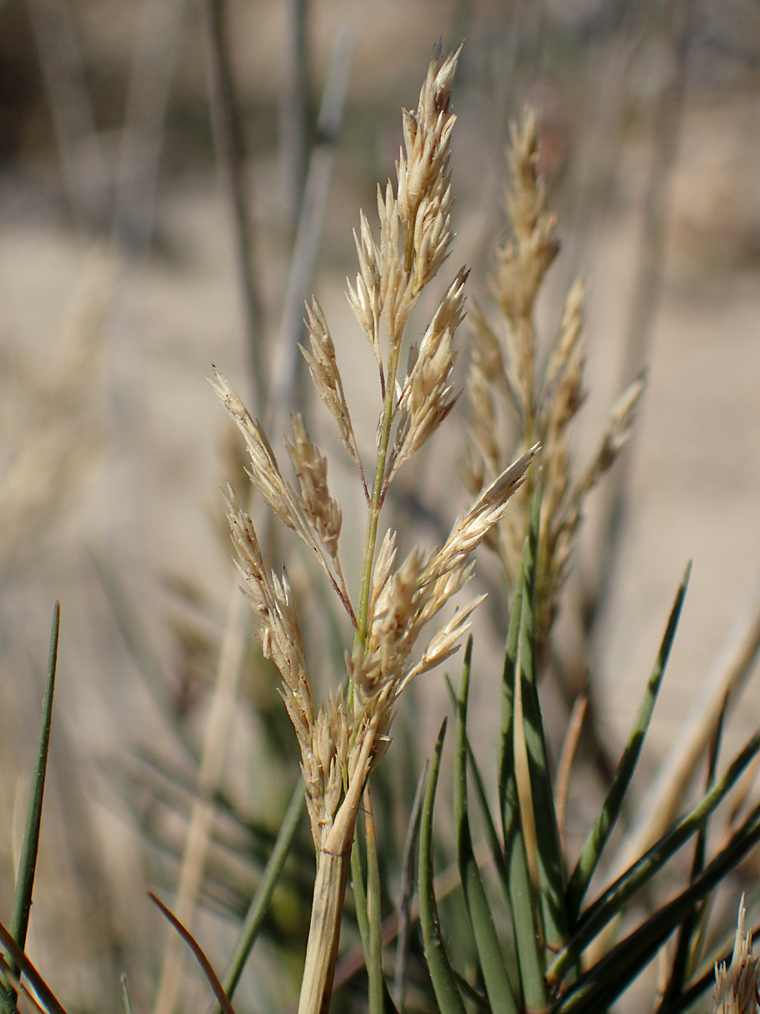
[112,447]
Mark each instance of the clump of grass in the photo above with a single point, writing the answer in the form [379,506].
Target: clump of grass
[342,738]
[530,941]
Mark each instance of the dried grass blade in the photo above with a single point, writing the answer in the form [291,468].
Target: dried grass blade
[600,832]
[22,903]
[200,956]
[442,975]
[498,987]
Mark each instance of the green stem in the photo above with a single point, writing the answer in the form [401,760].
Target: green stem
[376,501]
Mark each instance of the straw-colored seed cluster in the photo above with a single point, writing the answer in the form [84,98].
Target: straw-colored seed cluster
[543,402]
[342,740]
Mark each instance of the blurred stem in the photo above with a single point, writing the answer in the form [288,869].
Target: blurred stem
[675,32]
[228,140]
[263,896]
[294,109]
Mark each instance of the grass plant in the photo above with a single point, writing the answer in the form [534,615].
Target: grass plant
[521,924]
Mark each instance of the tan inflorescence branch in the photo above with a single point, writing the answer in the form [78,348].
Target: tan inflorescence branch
[342,739]
[505,378]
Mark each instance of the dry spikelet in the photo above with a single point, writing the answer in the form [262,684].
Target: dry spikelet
[482,516]
[323,367]
[427,394]
[265,472]
[736,987]
[366,299]
[311,468]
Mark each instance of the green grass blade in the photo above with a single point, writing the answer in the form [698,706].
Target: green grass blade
[530,956]
[498,987]
[263,894]
[408,881]
[612,902]
[374,954]
[22,902]
[492,836]
[602,984]
[600,832]
[510,810]
[442,975]
[687,940]
[551,875]
[360,894]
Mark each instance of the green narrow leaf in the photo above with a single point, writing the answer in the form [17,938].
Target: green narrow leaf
[530,955]
[602,984]
[408,881]
[687,947]
[600,832]
[263,894]
[612,901]
[27,866]
[497,852]
[551,875]
[492,964]
[360,895]
[374,955]
[510,810]
[441,973]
